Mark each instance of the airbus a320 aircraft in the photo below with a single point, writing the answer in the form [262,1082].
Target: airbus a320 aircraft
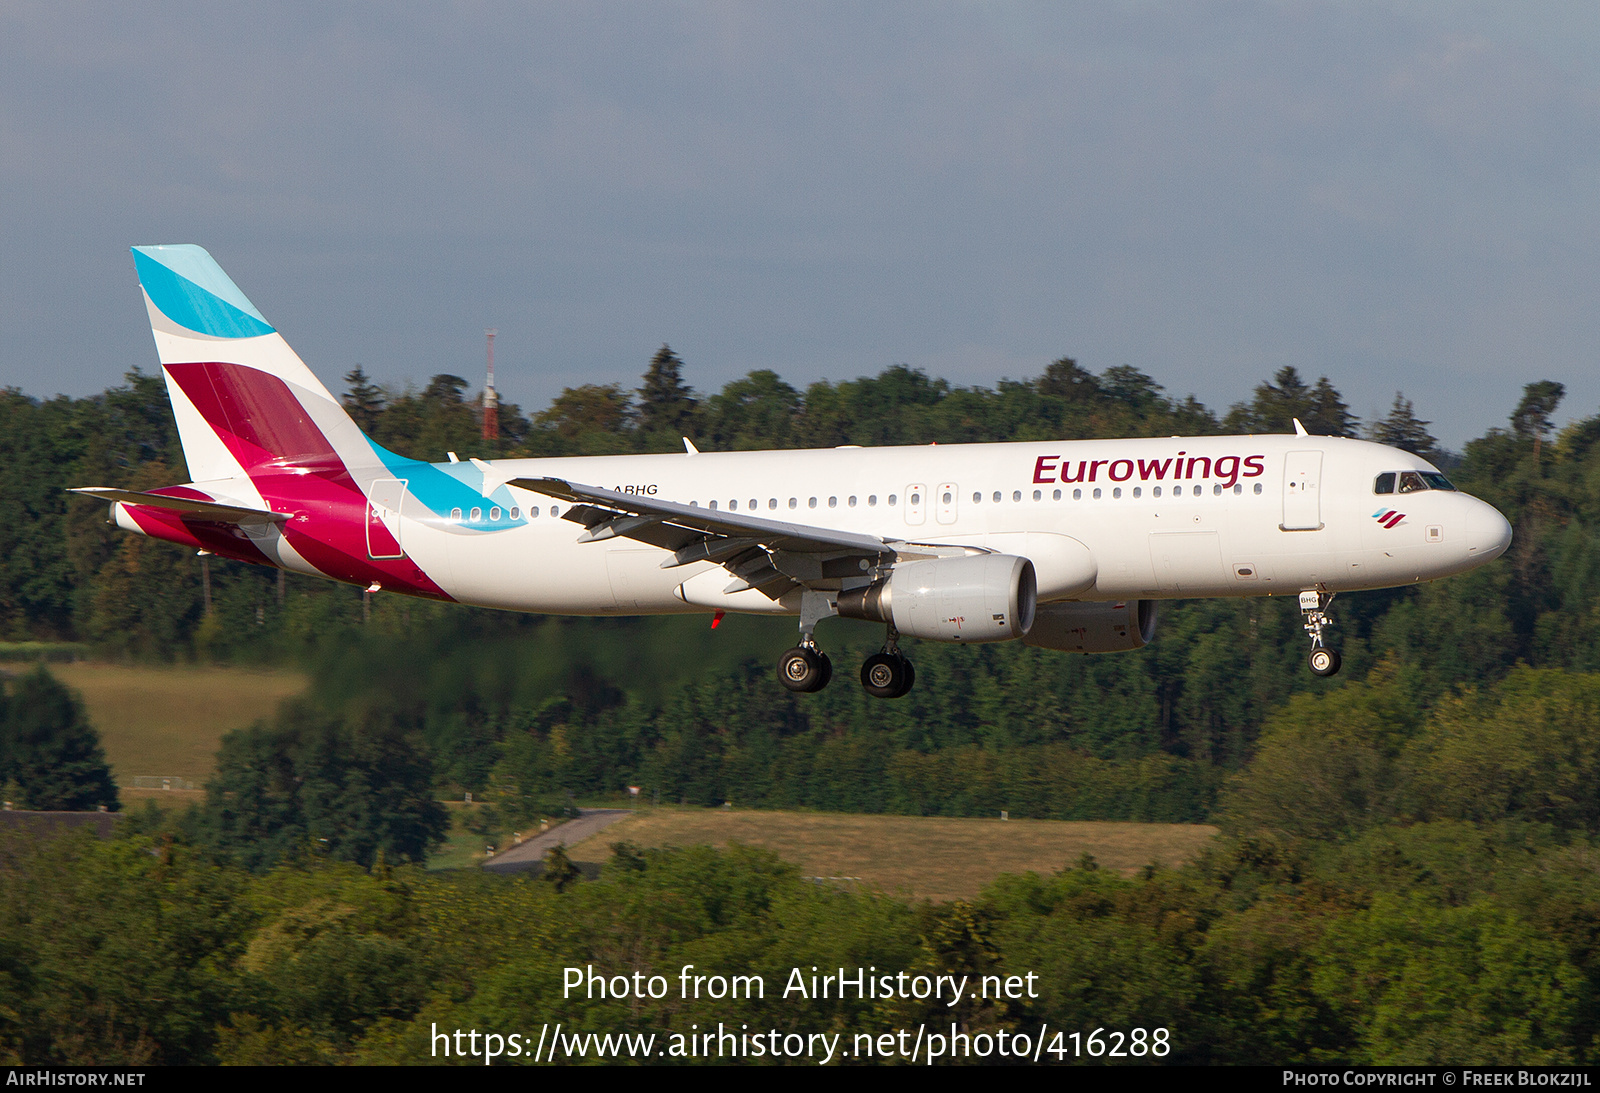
[1064,545]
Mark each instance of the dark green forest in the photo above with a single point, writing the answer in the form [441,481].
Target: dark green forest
[1407,871]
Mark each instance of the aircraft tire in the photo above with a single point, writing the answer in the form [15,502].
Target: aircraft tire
[1324,662]
[886,675]
[804,670]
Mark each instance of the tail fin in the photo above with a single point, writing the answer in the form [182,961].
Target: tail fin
[242,398]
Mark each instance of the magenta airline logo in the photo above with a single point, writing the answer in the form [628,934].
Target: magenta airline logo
[1388,517]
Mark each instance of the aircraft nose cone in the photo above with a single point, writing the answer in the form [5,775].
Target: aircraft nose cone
[1488,533]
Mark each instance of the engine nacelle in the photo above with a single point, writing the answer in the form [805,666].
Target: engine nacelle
[981,597]
[1093,627]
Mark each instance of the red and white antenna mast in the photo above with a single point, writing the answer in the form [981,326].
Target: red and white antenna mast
[491,401]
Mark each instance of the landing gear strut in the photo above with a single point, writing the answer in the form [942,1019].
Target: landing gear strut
[805,668]
[888,674]
[1314,606]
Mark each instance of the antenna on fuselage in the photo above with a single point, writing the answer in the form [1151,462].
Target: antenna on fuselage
[1299,429]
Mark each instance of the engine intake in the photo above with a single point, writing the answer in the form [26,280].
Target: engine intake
[982,597]
[1094,627]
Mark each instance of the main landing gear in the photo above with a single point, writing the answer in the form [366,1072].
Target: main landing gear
[1314,606]
[807,669]
[888,674]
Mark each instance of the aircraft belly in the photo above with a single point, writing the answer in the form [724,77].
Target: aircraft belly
[530,568]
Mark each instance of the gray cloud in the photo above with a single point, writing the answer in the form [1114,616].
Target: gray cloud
[1398,198]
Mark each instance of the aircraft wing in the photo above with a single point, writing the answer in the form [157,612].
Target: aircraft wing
[188,506]
[759,552]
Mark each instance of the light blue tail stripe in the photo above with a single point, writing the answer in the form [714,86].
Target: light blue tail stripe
[189,288]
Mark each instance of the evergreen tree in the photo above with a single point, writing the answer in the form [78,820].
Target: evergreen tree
[1531,419]
[1404,430]
[1068,382]
[1276,405]
[666,403]
[350,791]
[363,399]
[1328,415]
[51,749]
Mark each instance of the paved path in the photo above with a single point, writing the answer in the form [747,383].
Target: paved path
[530,852]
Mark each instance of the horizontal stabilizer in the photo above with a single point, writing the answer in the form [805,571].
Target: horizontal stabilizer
[189,506]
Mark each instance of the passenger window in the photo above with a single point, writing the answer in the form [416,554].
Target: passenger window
[555,510]
[833,502]
[1038,495]
[1136,491]
[1156,492]
[1216,491]
[494,513]
[1117,492]
[754,504]
[772,502]
[733,506]
[533,513]
[1384,483]
[892,500]
[872,500]
[713,506]
[1237,489]
[812,503]
[977,498]
[455,516]
[1258,487]
[997,497]
[794,502]
[1411,482]
[1097,494]
[516,513]
[1055,495]
[477,514]
[1077,495]
[851,502]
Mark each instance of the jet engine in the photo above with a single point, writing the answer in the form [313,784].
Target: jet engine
[981,597]
[1093,627]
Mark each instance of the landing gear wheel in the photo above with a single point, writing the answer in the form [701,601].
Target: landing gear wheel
[804,669]
[1324,662]
[886,675]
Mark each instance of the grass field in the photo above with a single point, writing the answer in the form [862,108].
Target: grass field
[932,857]
[167,721]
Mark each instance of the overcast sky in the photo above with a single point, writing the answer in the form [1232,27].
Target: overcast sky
[1397,196]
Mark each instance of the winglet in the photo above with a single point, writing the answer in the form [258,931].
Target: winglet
[1299,429]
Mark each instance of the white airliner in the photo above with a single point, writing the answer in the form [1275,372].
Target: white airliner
[1064,545]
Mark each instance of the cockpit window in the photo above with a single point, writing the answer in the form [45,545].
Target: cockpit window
[1411,482]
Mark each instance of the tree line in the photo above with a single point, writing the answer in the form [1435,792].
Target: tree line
[524,710]
[1408,867]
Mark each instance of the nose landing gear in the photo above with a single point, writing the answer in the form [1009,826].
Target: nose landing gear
[1314,606]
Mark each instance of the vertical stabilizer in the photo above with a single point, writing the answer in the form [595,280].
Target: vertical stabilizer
[242,398]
